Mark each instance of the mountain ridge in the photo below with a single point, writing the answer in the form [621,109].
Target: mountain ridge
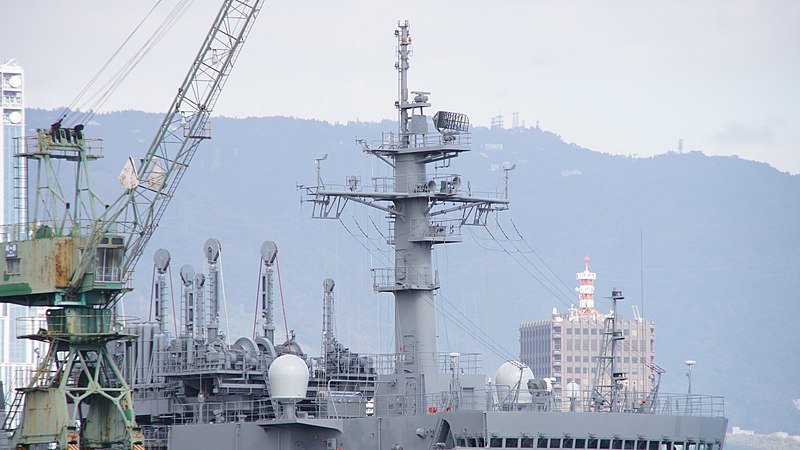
[710,241]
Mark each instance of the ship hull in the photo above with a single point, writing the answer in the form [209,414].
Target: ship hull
[469,429]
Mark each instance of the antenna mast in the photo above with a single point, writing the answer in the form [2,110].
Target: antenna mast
[417,204]
[605,397]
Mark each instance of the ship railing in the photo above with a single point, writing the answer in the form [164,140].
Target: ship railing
[201,360]
[433,140]
[665,404]
[493,195]
[435,230]
[385,363]
[441,183]
[468,363]
[497,399]
[690,405]
[437,140]
[219,412]
[387,279]
[456,401]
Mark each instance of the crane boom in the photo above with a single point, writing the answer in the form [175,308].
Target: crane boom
[136,213]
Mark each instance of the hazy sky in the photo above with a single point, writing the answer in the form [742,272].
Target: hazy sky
[626,77]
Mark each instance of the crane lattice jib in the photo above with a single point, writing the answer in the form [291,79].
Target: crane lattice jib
[136,213]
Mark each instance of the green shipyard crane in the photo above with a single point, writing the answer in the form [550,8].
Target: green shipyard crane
[76,255]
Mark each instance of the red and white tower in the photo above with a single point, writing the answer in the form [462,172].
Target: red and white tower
[586,289]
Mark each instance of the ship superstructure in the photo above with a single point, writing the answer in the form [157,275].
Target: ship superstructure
[198,375]
[421,399]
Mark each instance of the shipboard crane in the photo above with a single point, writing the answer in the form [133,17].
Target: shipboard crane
[78,255]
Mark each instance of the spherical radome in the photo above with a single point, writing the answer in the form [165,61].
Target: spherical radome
[511,382]
[288,377]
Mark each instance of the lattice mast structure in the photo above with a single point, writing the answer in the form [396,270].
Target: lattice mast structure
[420,207]
[78,256]
[607,387]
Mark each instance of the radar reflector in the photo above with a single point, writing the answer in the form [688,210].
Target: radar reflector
[451,122]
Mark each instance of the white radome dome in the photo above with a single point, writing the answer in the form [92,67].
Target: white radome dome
[288,377]
[513,375]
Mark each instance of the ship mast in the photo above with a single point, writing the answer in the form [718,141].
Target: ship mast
[420,207]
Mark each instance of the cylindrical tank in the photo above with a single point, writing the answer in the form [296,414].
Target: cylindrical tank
[159,348]
[147,353]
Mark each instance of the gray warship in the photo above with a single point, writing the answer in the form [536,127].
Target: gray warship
[122,383]
[199,389]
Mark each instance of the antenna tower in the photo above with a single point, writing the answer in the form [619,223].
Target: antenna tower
[418,205]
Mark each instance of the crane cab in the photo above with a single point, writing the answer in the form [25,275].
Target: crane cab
[37,272]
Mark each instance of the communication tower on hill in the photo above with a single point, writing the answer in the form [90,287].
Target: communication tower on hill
[497,121]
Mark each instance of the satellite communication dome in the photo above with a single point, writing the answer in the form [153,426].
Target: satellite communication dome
[573,390]
[511,382]
[288,378]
